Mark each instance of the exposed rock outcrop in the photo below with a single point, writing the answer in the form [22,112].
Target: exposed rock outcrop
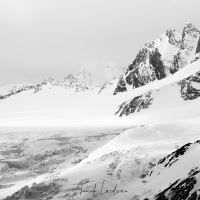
[135,105]
[190,87]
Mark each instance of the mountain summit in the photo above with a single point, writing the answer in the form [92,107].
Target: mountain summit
[161,58]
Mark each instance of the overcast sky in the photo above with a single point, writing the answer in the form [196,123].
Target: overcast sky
[51,38]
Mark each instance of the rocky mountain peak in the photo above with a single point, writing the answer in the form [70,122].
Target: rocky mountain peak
[188,48]
[161,58]
[174,38]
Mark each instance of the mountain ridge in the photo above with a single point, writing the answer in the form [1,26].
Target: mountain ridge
[161,58]
[79,82]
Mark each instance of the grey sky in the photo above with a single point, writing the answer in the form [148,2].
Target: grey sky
[51,38]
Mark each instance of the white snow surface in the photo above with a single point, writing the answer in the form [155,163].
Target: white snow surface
[123,160]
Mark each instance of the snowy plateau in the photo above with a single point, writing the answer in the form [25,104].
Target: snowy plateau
[136,137]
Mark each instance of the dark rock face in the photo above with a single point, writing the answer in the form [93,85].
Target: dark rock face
[176,63]
[154,63]
[197,57]
[198,47]
[107,84]
[136,74]
[135,105]
[173,157]
[121,86]
[188,90]
[158,66]
[181,189]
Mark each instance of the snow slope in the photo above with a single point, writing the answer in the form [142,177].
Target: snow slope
[139,160]
[174,176]
[131,157]
[174,97]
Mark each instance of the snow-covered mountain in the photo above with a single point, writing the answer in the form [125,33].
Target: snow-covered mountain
[177,90]
[158,158]
[161,58]
[80,82]
[180,177]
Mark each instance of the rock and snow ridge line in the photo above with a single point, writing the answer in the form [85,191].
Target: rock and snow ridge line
[161,58]
[80,82]
[187,81]
[176,178]
[157,60]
